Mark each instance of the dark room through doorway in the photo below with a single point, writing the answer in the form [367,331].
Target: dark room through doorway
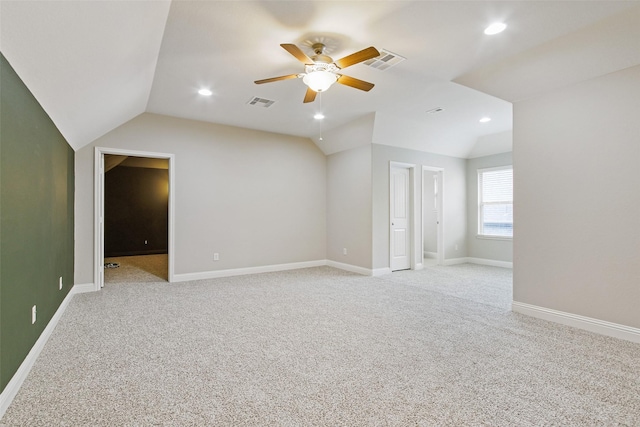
[136,219]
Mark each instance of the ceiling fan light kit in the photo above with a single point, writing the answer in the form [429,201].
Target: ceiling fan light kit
[321,71]
[319,81]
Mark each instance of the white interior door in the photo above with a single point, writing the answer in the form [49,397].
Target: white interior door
[400,216]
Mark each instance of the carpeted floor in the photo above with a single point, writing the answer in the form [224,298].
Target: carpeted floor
[135,269]
[322,347]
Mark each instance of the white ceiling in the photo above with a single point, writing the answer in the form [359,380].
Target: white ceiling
[93,65]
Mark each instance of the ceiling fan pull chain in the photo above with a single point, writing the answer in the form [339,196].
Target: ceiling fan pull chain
[320,95]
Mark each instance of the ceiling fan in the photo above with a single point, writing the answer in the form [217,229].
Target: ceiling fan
[320,71]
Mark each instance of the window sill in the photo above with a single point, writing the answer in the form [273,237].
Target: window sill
[487,237]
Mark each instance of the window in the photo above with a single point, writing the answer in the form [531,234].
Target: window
[495,202]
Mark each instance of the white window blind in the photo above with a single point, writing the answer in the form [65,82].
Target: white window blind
[495,202]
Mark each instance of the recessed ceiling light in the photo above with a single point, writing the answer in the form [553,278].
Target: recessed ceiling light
[319,116]
[205,92]
[495,28]
[485,119]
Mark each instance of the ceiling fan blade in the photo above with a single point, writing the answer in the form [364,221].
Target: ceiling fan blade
[299,54]
[360,56]
[310,96]
[275,79]
[356,83]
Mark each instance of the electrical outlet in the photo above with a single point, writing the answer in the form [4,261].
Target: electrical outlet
[60,283]
[216,256]
[344,251]
[456,247]
[33,314]
[146,242]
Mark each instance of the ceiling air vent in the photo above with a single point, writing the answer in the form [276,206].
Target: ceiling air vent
[261,102]
[385,61]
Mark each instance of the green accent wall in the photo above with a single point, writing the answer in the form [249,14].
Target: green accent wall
[36,220]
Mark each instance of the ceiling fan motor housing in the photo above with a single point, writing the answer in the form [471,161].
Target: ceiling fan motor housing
[318,49]
[321,66]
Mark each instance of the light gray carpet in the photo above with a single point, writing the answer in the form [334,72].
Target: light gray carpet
[322,347]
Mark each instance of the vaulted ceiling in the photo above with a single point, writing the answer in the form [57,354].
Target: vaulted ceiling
[94,65]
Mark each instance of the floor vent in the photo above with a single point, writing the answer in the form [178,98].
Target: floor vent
[385,61]
[261,102]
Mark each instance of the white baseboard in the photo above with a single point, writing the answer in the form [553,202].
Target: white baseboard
[84,287]
[365,271]
[455,261]
[279,267]
[481,261]
[20,375]
[352,268]
[247,270]
[430,255]
[380,271]
[581,322]
[491,262]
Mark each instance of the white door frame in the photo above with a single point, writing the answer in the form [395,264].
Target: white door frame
[415,265]
[98,211]
[440,203]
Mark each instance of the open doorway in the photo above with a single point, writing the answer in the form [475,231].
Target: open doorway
[136,219]
[133,217]
[432,217]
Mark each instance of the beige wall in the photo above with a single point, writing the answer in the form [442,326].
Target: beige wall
[491,249]
[256,198]
[262,199]
[577,199]
[349,207]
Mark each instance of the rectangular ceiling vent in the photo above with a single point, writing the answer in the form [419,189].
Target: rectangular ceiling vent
[261,102]
[385,61]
